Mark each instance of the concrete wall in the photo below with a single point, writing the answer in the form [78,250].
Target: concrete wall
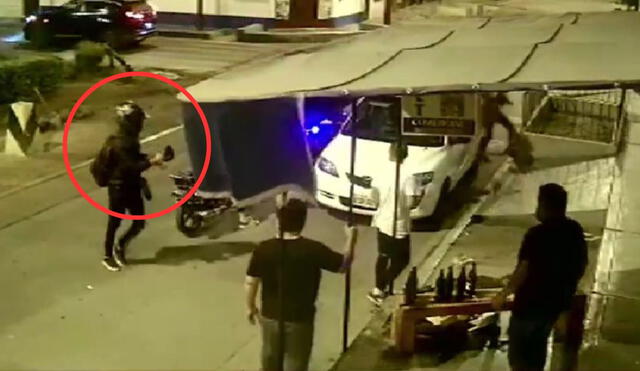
[242,8]
[230,13]
[342,8]
[184,6]
[11,9]
[52,2]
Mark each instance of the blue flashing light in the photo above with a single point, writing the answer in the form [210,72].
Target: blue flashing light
[315,130]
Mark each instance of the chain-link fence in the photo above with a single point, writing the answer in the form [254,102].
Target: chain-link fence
[583,115]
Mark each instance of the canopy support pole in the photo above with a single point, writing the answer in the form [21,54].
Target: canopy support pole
[347,278]
[387,12]
[281,324]
[397,180]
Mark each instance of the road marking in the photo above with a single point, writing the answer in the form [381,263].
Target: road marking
[161,134]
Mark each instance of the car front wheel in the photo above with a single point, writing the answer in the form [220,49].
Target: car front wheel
[40,36]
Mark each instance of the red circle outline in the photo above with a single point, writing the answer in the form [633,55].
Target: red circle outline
[166,80]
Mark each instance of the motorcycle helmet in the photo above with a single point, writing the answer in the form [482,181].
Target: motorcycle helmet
[130,117]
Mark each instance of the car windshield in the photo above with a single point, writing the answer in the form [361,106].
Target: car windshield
[376,123]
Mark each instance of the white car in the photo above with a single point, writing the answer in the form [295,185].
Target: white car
[438,161]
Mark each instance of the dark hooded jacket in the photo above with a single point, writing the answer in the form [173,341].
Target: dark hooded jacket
[124,158]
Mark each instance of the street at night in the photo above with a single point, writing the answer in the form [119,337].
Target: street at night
[480,156]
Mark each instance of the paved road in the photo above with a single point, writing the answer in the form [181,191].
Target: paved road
[188,54]
[179,307]
[199,55]
[195,55]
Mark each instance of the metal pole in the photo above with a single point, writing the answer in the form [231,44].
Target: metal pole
[617,132]
[387,12]
[281,329]
[347,280]
[200,10]
[397,178]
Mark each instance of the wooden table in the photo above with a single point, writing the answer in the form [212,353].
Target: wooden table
[403,330]
[405,318]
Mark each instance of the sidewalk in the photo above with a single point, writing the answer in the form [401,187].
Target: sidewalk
[494,244]
[615,303]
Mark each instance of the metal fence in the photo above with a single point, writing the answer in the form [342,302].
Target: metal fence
[593,116]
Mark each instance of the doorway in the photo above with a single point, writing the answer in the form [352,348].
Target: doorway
[302,13]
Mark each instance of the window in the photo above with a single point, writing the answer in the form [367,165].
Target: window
[71,5]
[94,7]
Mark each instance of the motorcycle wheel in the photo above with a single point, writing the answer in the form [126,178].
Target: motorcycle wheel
[188,222]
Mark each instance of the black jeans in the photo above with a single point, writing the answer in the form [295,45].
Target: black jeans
[298,344]
[123,199]
[528,339]
[393,257]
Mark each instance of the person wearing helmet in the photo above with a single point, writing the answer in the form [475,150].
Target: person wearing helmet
[125,184]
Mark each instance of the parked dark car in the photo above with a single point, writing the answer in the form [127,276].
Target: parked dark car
[117,22]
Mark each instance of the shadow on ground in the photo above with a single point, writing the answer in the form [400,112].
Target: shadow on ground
[207,252]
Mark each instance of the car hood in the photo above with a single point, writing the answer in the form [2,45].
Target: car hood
[373,156]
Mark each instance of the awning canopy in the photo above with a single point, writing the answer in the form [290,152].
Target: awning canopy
[511,53]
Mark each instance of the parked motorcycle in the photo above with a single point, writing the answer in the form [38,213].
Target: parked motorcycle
[193,217]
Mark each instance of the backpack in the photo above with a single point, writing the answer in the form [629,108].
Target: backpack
[101,168]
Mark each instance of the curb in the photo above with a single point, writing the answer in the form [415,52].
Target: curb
[273,37]
[427,268]
[194,34]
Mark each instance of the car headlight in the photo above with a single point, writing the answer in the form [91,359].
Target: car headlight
[424,178]
[31,18]
[327,166]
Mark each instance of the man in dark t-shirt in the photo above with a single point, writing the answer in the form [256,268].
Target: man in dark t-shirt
[551,262]
[300,261]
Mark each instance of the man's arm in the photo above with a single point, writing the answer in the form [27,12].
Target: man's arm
[516,280]
[349,247]
[251,285]
[519,274]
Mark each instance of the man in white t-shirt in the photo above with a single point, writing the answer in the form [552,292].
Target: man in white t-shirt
[393,249]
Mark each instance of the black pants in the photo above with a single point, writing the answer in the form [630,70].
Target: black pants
[393,257]
[528,338]
[122,200]
[298,343]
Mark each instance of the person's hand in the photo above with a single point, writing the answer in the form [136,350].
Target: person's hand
[252,314]
[498,302]
[157,160]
